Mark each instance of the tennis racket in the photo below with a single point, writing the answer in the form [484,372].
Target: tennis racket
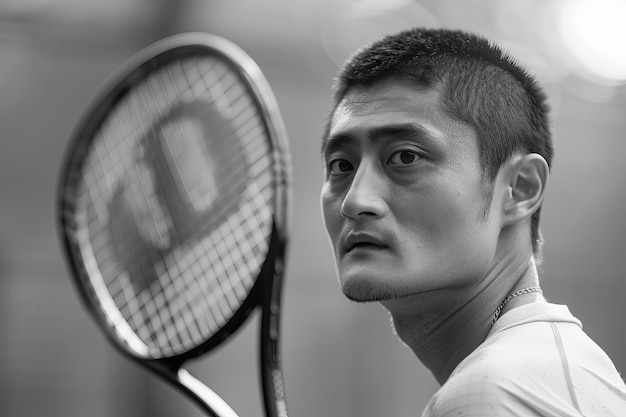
[173,209]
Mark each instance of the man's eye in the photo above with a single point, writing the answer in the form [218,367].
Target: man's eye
[403,157]
[339,166]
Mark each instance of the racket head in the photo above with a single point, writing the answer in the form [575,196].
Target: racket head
[174,196]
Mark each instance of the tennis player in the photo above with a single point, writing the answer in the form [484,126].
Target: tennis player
[437,157]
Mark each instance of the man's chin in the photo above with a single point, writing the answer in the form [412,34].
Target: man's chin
[359,297]
[362,291]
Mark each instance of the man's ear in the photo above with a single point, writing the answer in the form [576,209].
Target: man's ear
[527,182]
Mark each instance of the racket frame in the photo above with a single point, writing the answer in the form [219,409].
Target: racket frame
[267,289]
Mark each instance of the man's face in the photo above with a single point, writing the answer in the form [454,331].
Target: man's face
[404,200]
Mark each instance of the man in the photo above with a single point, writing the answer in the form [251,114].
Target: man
[437,155]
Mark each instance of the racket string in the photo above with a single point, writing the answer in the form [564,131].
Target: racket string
[206,275]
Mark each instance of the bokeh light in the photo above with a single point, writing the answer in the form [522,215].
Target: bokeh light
[594,33]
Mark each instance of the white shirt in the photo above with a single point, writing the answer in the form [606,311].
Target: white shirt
[536,361]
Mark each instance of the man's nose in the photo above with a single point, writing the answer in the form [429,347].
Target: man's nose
[366,194]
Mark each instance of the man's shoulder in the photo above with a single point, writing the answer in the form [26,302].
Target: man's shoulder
[496,386]
[504,376]
[526,370]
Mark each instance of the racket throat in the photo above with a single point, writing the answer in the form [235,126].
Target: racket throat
[203,395]
[193,388]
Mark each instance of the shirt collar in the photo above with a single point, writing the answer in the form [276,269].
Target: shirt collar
[534,312]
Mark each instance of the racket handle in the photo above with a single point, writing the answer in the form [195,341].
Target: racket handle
[208,399]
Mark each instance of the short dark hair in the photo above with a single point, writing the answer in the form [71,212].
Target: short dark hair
[480,84]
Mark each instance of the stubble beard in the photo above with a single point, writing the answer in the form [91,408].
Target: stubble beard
[360,292]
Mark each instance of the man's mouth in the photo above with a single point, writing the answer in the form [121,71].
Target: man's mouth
[362,241]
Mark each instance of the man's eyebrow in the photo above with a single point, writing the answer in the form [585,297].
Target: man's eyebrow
[403,129]
[333,141]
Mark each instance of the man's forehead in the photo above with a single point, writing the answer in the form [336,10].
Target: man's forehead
[389,102]
[386,105]
[391,90]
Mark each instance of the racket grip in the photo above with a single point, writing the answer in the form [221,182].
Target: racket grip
[206,397]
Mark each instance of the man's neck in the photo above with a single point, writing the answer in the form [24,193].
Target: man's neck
[442,329]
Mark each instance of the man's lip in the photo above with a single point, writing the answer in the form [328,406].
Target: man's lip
[355,240]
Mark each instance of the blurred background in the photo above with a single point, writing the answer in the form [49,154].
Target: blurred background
[340,359]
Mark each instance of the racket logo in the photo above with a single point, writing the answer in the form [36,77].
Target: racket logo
[173,196]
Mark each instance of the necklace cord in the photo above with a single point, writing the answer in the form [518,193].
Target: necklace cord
[528,290]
